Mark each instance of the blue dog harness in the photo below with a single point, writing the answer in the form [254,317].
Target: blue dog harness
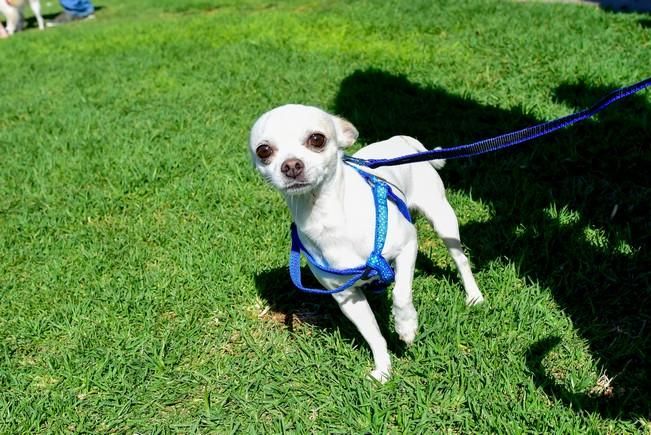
[376,266]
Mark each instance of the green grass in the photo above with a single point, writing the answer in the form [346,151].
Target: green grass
[142,262]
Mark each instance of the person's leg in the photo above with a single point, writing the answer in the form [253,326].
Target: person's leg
[78,8]
[73,10]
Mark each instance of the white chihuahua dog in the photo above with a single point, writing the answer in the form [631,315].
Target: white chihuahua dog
[12,10]
[299,150]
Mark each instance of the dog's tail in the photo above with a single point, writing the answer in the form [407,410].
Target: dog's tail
[438,164]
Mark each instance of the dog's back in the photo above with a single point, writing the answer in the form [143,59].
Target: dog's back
[397,146]
[407,178]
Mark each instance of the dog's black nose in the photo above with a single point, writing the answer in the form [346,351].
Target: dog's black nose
[292,168]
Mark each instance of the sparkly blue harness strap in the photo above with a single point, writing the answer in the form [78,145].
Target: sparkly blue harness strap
[376,265]
[376,262]
[295,268]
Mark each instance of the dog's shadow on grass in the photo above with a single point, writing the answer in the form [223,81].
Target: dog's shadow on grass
[293,308]
[570,210]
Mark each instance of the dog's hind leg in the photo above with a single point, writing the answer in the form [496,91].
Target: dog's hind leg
[436,208]
[355,307]
[36,9]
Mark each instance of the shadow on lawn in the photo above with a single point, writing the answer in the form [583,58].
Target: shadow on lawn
[291,307]
[30,22]
[571,211]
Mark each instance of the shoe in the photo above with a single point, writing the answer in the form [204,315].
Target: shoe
[66,17]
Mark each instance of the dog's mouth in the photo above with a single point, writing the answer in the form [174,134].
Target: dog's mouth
[298,187]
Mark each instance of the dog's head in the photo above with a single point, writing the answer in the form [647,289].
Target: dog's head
[296,148]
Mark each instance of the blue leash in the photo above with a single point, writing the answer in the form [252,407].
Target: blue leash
[376,265]
[506,140]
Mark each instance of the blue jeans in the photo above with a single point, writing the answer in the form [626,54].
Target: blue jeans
[80,8]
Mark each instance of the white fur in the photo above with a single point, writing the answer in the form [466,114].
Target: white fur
[13,13]
[334,211]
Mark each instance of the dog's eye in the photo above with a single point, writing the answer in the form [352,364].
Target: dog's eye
[264,151]
[316,140]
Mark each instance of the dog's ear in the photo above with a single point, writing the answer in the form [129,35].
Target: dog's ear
[346,132]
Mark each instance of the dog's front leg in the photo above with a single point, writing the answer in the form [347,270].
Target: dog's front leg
[355,307]
[404,313]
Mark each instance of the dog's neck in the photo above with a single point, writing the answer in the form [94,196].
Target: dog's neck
[319,211]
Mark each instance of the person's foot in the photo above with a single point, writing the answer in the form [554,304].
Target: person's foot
[66,17]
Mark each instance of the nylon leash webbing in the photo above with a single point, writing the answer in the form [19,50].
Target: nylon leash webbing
[505,140]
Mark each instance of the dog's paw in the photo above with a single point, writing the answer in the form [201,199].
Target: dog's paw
[406,330]
[406,320]
[380,375]
[474,299]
